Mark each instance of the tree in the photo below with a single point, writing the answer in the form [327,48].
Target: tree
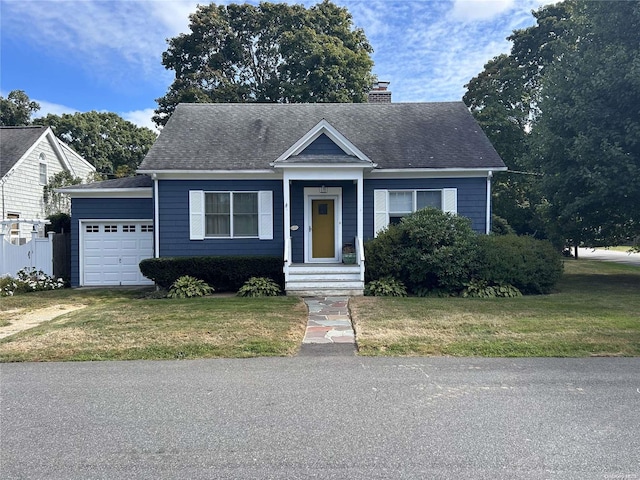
[505,99]
[16,109]
[587,141]
[111,144]
[267,53]
[54,202]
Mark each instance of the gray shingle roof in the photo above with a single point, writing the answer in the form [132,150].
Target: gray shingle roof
[14,143]
[138,181]
[251,136]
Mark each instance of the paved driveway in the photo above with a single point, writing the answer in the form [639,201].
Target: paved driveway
[322,417]
[610,256]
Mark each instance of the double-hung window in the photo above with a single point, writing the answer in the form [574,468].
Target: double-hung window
[230,215]
[391,205]
[42,173]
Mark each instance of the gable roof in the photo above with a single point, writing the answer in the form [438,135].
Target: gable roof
[14,143]
[252,136]
[17,142]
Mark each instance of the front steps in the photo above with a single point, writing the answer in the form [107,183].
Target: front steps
[324,279]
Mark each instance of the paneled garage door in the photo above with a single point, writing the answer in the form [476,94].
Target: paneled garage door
[111,252]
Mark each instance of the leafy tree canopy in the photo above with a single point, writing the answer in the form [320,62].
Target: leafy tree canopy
[110,143]
[564,104]
[16,109]
[587,141]
[273,52]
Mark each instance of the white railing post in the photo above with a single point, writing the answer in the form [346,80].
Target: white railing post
[3,261]
[287,257]
[360,256]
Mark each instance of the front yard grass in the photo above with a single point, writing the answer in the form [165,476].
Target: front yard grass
[595,312]
[124,325]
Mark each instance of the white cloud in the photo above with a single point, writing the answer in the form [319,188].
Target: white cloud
[141,118]
[47,108]
[471,10]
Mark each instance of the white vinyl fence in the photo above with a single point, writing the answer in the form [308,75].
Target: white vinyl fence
[37,253]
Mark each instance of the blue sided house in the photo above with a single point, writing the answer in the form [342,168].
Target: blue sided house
[301,181]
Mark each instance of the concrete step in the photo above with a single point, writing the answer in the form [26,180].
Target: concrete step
[324,277]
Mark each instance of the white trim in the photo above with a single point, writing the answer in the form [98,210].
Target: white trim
[326,173]
[156,219]
[430,172]
[313,193]
[267,174]
[139,192]
[488,217]
[336,137]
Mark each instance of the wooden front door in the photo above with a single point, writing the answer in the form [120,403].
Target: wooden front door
[323,233]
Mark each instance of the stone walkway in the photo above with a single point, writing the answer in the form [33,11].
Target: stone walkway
[329,321]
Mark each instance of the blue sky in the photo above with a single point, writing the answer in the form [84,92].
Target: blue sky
[105,55]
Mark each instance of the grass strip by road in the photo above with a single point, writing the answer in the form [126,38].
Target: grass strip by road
[593,313]
[124,325]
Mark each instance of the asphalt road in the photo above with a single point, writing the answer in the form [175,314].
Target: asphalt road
[324,418]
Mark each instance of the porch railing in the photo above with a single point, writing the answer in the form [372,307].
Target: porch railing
[360,256]
[287,257]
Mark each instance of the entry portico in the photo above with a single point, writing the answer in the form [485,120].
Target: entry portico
[321,163]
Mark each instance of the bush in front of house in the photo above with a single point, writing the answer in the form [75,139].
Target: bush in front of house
[428,251]
[28,280]
[385,287]
[189,287]
[224,274]
[530,265]
[259,287]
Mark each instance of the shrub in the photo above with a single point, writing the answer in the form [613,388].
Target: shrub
[482,289]
[259,287]
[224,274]
[188,287]
[29,280]
[429,250]
[532,266]
[385,287]
[500,226]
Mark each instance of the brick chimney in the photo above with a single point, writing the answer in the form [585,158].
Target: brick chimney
[379,93]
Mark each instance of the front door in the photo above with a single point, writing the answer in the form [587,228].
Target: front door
[323,229]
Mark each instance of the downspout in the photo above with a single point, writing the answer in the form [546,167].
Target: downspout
[488,220]
[156,218]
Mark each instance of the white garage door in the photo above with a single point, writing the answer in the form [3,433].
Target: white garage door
[111,252]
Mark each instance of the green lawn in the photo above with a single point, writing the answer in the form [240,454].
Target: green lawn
[123,325]
[595,311]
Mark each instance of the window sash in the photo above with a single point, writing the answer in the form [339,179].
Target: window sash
[43,174]
[404,202]
[231,214]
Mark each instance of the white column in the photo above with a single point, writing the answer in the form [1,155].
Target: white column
[360,201]
[488,221]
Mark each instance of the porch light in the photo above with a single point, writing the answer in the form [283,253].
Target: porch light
[323,189]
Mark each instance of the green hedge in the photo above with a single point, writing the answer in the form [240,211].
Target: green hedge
[532,266]
[429,250]
[224,274]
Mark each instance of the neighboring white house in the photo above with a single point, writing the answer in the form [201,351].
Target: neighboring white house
[29,157]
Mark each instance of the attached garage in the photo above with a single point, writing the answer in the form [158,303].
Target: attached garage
[112,231]
[112,250]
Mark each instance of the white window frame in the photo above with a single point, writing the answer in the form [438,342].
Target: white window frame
[43,169]
[383,213]
[197,214]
